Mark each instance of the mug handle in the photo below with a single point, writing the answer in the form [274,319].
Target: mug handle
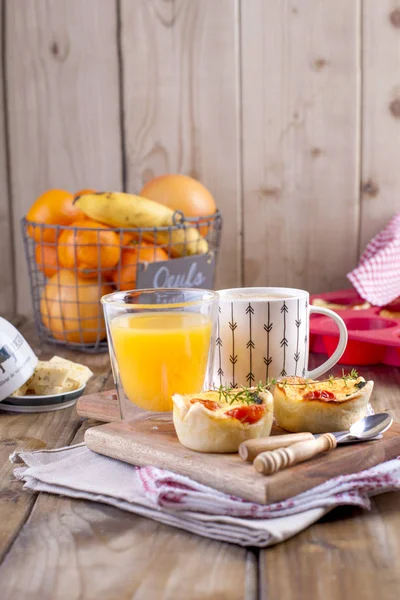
[340,348]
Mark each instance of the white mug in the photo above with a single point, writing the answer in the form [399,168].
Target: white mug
[263,333]
[17,359]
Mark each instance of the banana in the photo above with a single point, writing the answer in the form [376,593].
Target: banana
[118,209]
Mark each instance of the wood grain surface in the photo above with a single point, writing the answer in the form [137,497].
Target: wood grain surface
[7,289]
[152,441]
[34,432]
[300,142]
[87,551]
[357,552]
[181,103]
[102,407]
[380,184]
[295,134]
[54,548]
[354,555]
[63,105]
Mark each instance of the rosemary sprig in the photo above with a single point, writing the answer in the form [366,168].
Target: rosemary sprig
[331,379]
[352,375]
[243,394]
[250,395]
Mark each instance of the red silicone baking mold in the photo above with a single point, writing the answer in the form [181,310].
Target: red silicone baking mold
[373,338]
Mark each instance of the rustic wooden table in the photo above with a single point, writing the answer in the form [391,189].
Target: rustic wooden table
[54,548]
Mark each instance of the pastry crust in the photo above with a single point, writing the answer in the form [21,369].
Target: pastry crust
[295,413]
[204,430]
[335,306]
[390,314]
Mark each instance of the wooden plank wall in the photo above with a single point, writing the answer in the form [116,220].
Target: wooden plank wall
[288,110]
[181,100]
[300,141]
[63,104]
[380,181]
[7,279]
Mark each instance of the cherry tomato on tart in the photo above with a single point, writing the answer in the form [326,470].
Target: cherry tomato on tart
[333,404]
[220,420]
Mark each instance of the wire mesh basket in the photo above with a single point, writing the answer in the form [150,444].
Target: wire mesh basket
[71,267]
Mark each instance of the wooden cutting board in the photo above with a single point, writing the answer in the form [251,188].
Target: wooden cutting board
[154,442]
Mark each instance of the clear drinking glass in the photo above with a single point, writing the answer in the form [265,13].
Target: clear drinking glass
[161,342]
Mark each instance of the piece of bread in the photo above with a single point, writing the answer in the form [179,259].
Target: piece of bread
[21,391]
[49,390]
[77,373]
[216,422]
[55,376]
[47,374]
[343,401]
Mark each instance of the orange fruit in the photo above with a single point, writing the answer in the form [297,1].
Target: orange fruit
[83,192]
[54,207]
[82,216]
[46,258]
[70,308]
[181,192]
[125,276]
[125,238]
[88,250]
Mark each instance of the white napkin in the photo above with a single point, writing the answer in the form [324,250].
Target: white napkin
[164,496]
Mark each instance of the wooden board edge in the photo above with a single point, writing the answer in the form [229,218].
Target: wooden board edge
[88,406]
[100,439]
[391,447]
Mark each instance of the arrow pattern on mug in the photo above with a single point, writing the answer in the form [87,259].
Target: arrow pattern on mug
[250,346]
[305,354]
[218,343]
[306,340]
[297,323]
[285,327]
[268,327]
[284,341]
[233,357]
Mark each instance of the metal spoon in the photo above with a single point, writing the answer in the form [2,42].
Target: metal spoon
[365,429]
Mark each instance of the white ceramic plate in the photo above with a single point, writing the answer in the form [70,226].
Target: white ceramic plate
[35,409]
[33,402]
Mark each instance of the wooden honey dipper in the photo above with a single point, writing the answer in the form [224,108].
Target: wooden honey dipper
[249,449]
[272,461]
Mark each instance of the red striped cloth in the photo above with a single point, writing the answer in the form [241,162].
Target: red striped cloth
[176,500]
[377,277]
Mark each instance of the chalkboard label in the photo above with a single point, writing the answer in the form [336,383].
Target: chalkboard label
[188,272]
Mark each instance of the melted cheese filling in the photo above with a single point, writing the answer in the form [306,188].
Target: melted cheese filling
[223,405]
[296,388]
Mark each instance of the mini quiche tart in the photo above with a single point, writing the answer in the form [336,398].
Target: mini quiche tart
[392,310]
[321,406]
[335,306]
[215,422]
[390,314]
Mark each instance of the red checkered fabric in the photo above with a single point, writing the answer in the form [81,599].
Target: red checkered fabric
[377,277]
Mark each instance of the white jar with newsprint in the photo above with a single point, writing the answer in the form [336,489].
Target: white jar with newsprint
[17,359]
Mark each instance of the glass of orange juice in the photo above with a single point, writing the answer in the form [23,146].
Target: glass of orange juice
[161,342]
